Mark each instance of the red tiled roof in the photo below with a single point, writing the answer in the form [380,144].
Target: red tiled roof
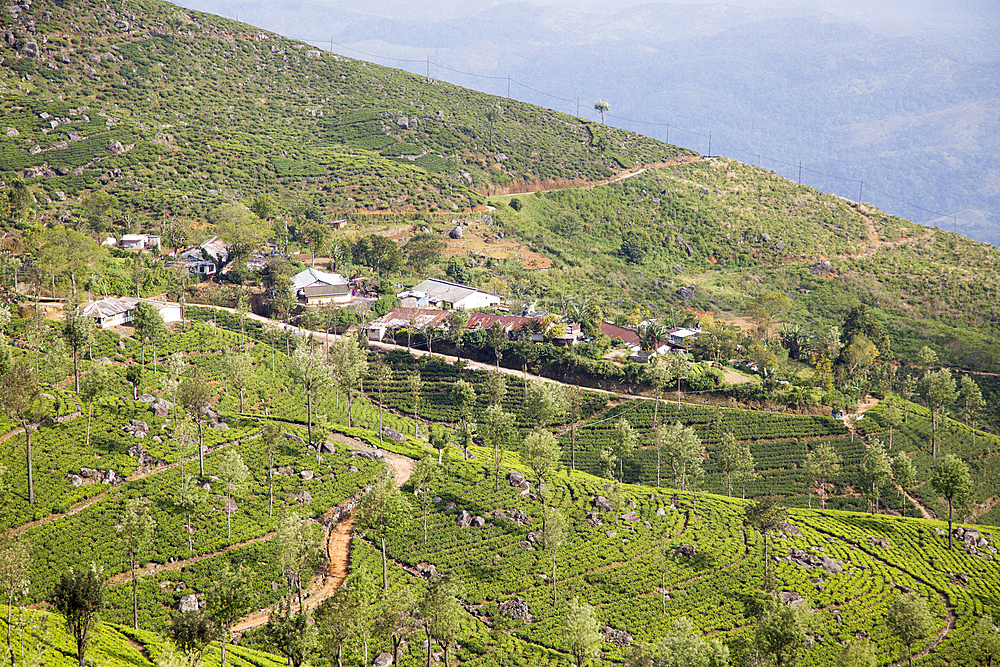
[628,336]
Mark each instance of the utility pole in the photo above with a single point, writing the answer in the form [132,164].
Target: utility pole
[427,71]
[577,107]
[508,86]
[668,134]
[860,190]
[800,172]
[709,145]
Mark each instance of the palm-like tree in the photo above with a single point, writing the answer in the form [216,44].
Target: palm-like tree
[602,106]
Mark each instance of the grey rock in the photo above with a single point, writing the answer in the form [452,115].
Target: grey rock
[791,598]
[327,447]
[821,267]
[478,522]
[602,503]
[427,571]
[352,468]
[12,132]
[766,238]
[630,516]
[611,533]
[676,268]
[780,246]
[383,660]
[188,603]
[685,293]
[661,512]
[75,480]
[457,232]
[594,519]
[464,519]
[792,529]
[146,398]
[450,506]
[516,608]
[161,407]
[116,147]
[619,638]
[307,474]
[403,123]
[303,497]
[370,454]
[831,566]
[31,49]
[685,551]
[393,434]
[88,473]
[294,438]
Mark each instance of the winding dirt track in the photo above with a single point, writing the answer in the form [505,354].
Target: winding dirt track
[336,545]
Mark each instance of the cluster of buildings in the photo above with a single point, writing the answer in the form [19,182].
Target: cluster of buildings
[426,306]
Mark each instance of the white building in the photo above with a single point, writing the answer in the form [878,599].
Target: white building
[441,293]
[139,242]
[117,311]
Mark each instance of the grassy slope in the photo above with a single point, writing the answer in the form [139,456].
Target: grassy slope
[214,106]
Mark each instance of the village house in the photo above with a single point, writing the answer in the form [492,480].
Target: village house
[139,242]
[443,294]
[204,259]
[314,287]
[117,311]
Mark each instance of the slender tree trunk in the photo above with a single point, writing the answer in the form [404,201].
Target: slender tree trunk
[90,415]
[224,642]
[729,479]
[190,533]
[380,416]
[949,524]
[27,453]
[270,486]
[430,644]
[554,598]
[229,517]
[309,408]
[572,447]
[135,597]
[81,651]
[385,576]
[350,408]
[76,369]
[201,449]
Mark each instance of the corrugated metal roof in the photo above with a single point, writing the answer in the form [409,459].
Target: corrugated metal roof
[311,277]
[442,290]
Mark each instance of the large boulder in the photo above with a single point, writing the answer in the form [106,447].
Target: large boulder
[464,519]
[161,407]
[831,566]
[619,638]
[685,551]
[630,516]
[370,454]
[383,660]
[457,232]
[602,503]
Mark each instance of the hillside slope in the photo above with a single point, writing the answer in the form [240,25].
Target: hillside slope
[204,107]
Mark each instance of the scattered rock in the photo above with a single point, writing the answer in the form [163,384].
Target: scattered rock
[307,474]
[161,407]
[352,468]
[370,454]
[303,497]
[456,233]
[88,473]
[821,268]
[383,660]
[75,480]
[12,132]
[791,598]
[619,638]
[450,506]
[676,268]
[602,503]
[116,147]
[594,519]
[630,516]
[294,438]
[831,566]
[393,434]
[792,529]
[611,533]
[403,123]
[661,512]
[188,603]
[516,608]
[684,551]
[427,571]
[464,519]
[766,238]
[478,522]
